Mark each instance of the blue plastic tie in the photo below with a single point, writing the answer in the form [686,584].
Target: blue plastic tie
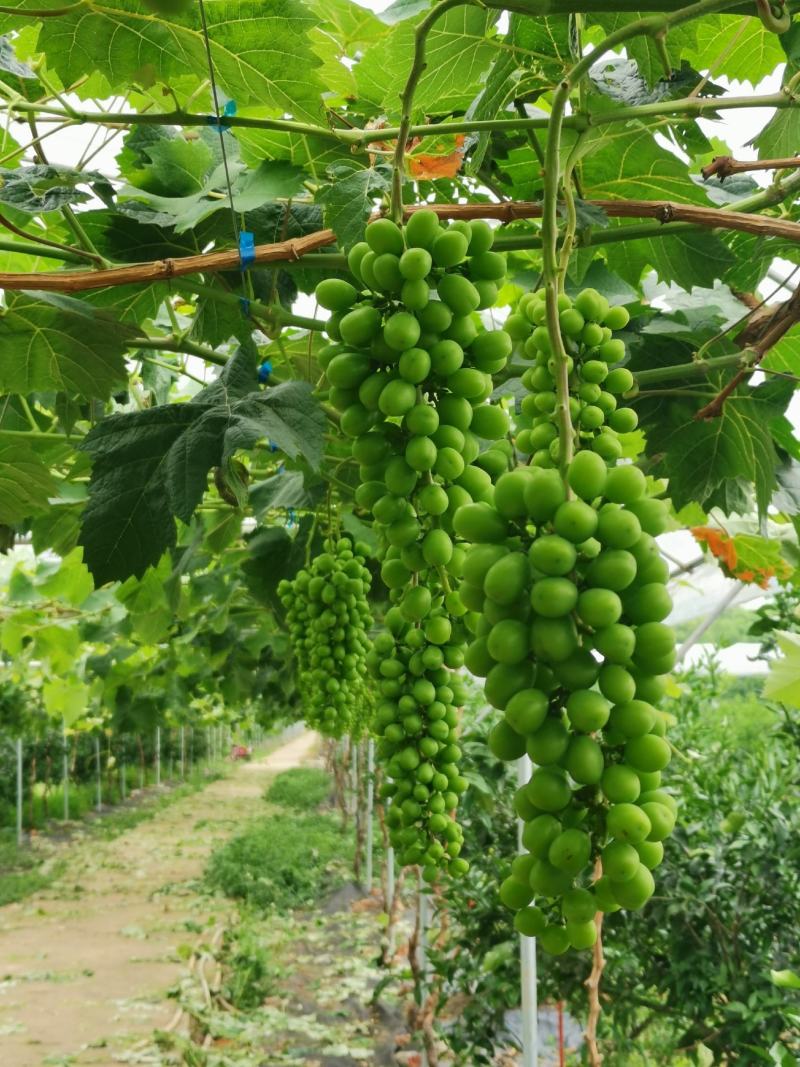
[220,125]
[273,447]
[264,371]
[247,249]
[290,521]
[244,304]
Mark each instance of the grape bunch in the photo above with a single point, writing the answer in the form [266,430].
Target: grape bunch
[418,723]
[595,383]
[328,620]
[410,369]
[566,593]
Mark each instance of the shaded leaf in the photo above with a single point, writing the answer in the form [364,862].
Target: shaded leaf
[45,187]
[25,481]
[152,466]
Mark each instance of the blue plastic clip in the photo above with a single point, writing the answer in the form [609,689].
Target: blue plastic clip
[221,126]
[273,447]
[244,304]
[290,519]
[247,249]
[264,371]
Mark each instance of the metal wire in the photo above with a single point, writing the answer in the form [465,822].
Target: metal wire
[218,117]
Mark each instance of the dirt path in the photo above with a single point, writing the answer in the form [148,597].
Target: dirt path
[85,964]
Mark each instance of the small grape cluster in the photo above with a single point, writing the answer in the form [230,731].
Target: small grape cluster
[410,368]
[566,593]
[328,620]
[418,723]
[586,326]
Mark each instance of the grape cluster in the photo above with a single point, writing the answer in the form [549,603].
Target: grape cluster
[566,591]
[595,383]
[328,621]
[410,368]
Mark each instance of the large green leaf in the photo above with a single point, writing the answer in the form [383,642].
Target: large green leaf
[457,56]
[152,466]
[739,48]
[259,48]
[719,462]
[533,55]
[56,343]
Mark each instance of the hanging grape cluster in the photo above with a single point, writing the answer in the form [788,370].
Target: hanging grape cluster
[566,587]
[410,369]
[328,621]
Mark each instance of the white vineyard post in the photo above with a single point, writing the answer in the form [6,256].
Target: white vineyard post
[527,958]
[158,755]
[353,779]
[423,918]
[65,776]
[370,805]
[19,791]
[98,773]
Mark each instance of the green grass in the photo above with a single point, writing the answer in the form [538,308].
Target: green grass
[21,870]
[304,788]
[282,861]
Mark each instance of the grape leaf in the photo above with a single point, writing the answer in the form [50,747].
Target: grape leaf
[25,482]
[259,48]
[47,188]
[689,259]
[350,199]
[457,56]
[285,490]
[738,48]
[717,462]
[272,180]
[54,342]
[151,467]
[783,682]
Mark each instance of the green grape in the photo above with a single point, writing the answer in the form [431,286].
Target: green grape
[565,589]
[413,363]
[336,697]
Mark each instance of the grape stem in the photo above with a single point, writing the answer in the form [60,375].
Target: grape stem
[652,26]
[407,101]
